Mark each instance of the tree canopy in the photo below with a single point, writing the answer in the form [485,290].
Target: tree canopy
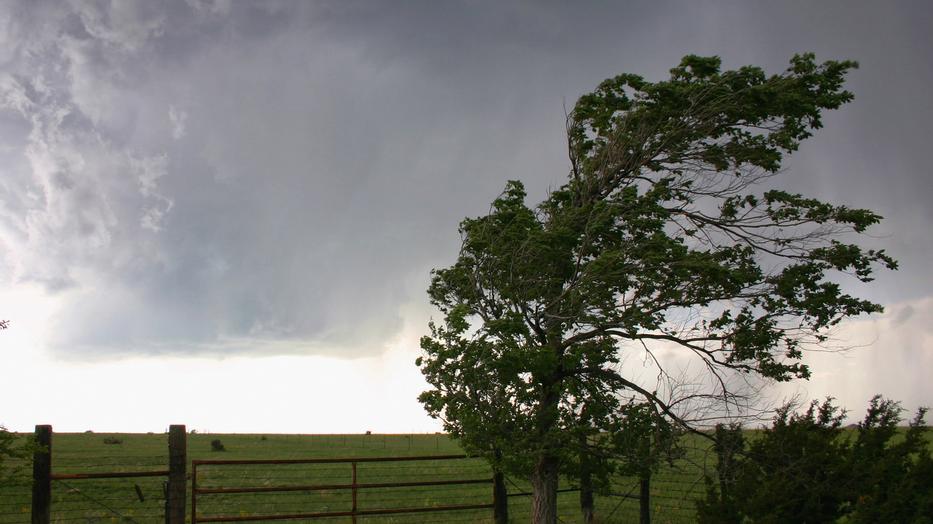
[665,233]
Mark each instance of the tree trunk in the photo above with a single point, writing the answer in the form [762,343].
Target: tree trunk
[544,491]
[544,477]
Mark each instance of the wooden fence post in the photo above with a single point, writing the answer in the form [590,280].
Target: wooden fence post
[177,463]
[500,499]
[353,507]
[42,477]
[587,503]
[644,500]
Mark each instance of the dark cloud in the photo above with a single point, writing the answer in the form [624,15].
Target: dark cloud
[273,177]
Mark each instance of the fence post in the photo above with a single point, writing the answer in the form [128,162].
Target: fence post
[644,500]
[500,497]
[587,505]
[353,487]
[194,493]
[177,462]
[42,476]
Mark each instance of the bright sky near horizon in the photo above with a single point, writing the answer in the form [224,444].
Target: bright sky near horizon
[224,214]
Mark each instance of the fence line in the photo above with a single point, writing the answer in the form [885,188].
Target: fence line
[129,485]
[174,512]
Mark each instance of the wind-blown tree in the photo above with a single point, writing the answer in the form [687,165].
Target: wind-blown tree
[657,237]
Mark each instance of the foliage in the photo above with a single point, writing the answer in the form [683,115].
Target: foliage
[15,456]
[720,506]
[217,445]
[12,448]
[641,440]
[657,237]
[805,468]
[796,468]
[896,471]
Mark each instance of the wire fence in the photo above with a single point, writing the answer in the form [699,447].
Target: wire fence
[134,499]
[302,444]
[120,500]
[127,500]
[674,488]
[15,500]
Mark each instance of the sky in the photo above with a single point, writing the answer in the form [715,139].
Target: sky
[224,214]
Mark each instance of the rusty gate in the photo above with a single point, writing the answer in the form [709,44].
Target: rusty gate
[264,490]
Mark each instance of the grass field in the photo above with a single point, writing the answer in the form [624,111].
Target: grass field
[674,489]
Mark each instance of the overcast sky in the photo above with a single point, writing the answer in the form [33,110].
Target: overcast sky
[242,201]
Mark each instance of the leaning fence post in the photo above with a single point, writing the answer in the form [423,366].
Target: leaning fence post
[42,476]
[177,462]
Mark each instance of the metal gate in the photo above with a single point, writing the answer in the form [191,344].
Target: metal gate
[263,490]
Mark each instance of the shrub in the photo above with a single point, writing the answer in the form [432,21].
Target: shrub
[720,506]
[13,449]
[894,479]
[217,445]
[112,440]
[806,468]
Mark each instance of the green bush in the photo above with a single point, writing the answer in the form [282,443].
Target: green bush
[896,478]
[17,450]
[807,468]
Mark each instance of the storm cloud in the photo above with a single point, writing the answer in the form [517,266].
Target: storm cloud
[261,178]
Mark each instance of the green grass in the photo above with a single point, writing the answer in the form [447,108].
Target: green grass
[674,489]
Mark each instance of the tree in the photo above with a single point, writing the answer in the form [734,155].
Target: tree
[657,237]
